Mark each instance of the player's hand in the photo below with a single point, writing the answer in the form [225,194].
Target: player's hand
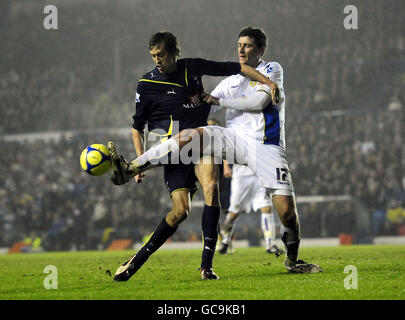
[195,99]
[210,99]
[274,91]
[227,172]
[139,177]
[275,95]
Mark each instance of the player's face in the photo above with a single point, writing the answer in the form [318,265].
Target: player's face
[248,52]
[164,61]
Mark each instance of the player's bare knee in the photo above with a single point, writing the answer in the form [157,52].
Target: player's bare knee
[187,135]
[177,215]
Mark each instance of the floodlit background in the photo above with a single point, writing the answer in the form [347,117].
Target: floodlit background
[61,90]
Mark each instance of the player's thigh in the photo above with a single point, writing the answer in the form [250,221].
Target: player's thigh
[269,163]
[187,136]
[180,177]
[206,170]
[208,175]
[223,144]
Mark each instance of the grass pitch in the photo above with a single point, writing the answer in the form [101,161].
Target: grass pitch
[248,274]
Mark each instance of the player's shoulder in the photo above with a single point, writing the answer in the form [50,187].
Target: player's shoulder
[183,62]
[228,82]
[149,75]
[272,66]
[146,80]
[232,78]
[189,62]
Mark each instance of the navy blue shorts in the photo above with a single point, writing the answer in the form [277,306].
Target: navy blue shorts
[180,177]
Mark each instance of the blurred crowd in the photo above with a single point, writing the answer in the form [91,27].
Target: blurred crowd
[45,193]
[345,112]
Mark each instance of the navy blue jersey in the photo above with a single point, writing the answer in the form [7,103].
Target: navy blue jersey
[164,98]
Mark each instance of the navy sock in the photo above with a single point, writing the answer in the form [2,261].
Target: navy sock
[291,239]
[158,238]
[210,218]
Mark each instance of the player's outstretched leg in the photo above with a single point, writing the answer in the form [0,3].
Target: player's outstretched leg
[127,269]
[163,232]
[158,155]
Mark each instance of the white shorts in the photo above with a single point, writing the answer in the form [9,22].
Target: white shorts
[247,195]
[268,162]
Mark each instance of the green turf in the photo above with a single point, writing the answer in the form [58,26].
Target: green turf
[173,275]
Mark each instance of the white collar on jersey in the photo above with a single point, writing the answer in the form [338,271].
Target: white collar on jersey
[261,65]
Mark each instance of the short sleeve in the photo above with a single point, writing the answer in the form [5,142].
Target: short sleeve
[219,91]
[274,72]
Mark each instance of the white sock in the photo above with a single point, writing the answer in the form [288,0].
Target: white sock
[228,230]
[268,228]
[160,154]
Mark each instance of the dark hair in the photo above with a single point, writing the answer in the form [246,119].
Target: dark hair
[257,34]
[169,41]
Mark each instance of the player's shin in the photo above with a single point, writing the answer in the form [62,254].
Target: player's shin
[163,232]
[291,239]
[210,218]
[163,153]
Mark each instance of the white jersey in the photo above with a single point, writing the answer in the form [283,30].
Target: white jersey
[267,125]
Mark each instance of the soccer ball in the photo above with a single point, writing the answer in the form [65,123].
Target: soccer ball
[95,159]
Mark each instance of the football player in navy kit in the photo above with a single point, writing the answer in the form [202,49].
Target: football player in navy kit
[167,98]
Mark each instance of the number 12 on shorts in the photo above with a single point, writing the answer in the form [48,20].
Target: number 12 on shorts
[282,175]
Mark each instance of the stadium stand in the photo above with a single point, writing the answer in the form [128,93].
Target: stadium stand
[345,113]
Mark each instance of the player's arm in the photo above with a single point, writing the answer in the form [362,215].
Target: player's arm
[138,139]
[138,126]
[213,68]
[254,102]
[255,75]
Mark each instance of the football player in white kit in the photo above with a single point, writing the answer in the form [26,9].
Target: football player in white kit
[247,195]
[254,136]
